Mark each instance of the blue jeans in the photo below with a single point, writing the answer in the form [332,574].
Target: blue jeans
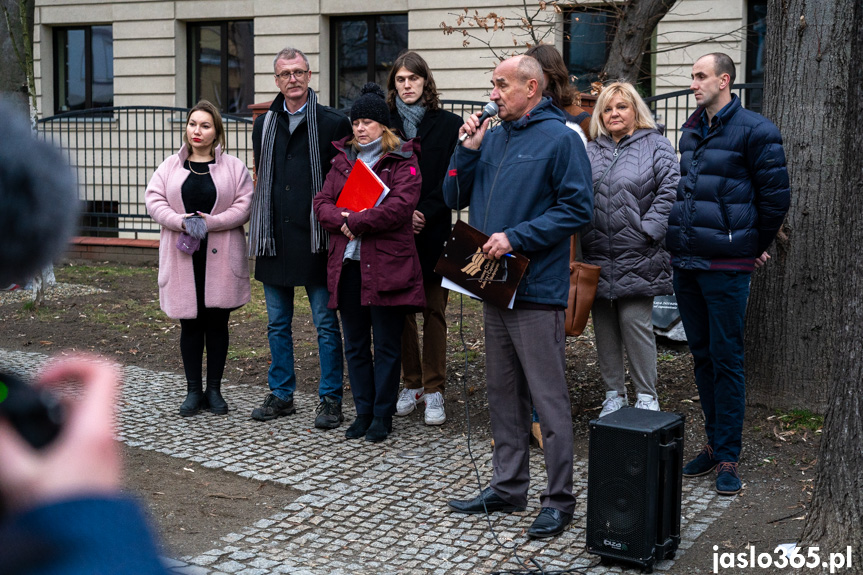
[280,311]
[712,306]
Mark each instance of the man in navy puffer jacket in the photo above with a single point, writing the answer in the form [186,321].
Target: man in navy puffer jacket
[527,182]
[731,200]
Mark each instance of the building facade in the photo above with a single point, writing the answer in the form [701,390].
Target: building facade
[102,53]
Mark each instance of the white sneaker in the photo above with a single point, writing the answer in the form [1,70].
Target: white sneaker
[613,402]
[408,399]
[435,413]
[647,401]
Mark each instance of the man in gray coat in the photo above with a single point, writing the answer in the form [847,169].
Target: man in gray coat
[292,145]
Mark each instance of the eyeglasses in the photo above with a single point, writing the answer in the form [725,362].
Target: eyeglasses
[288,74]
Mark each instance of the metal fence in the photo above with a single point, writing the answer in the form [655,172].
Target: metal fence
[673,109]
[116,150]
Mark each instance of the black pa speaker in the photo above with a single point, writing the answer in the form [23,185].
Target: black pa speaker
[633,486]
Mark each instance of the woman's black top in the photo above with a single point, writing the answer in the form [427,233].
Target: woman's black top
[199,195]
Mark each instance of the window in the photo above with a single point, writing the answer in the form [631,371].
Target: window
[84,70]
[586,44]
[755,37]
[364,49]
[221,65]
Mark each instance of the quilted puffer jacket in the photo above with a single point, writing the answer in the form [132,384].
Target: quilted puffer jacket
[630,214]
[733,193]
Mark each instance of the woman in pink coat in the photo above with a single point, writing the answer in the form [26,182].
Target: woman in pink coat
[201,191]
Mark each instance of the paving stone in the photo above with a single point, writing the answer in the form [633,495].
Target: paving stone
[364,510]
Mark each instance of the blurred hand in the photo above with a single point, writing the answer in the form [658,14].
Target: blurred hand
[418,221]
[84,458]
[761,260]
[345,229]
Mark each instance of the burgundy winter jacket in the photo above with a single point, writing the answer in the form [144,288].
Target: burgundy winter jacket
[391,274]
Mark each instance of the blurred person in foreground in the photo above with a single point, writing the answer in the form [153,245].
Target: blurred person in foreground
[202,185]
[63,510]
[635,175]
[416,113]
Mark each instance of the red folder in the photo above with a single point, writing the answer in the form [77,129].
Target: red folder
[363,190]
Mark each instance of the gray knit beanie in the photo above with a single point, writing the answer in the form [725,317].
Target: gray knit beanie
[371,105]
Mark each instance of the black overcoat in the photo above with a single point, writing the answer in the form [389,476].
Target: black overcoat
[294,263]
[437,135]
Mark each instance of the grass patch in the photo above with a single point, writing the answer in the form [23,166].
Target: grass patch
[799,420]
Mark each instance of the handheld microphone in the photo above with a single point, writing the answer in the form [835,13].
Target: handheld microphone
[489,111]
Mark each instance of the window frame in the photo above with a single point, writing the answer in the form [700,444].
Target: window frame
[193,57]
[88,65]
[371,48]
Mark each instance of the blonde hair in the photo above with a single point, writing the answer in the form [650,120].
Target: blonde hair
[389,141]
[627,93]
[208,107]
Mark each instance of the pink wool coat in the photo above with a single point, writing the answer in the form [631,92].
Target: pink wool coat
[227,283]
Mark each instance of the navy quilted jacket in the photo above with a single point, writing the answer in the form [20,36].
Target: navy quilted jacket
[733,192]
[630,214]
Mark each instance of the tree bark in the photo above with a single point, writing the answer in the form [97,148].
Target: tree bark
[834,521]
[794,308]
[635,26]
[14,83]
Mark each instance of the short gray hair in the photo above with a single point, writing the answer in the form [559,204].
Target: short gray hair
[289,54]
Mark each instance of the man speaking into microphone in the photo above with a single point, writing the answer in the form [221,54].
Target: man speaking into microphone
[528,185]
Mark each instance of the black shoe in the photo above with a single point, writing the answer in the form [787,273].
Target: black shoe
[329,413]
[493,502]
[215,402]
[359,427]
[194,401]
[272,408]
[548,523]
[379,429]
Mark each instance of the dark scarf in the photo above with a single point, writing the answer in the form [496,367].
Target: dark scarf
[261,239]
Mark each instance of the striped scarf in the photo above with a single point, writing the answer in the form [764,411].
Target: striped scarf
[261,239]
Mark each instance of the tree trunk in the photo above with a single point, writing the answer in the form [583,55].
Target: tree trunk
[794,308]
[635,26]
[14,50]
[835,519]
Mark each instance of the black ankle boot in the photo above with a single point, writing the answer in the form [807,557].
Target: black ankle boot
[194,401]
[359,427]
[379,429]
[215,403]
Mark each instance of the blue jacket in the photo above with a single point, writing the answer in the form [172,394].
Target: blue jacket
[90,536]
[733,192]
[531,180]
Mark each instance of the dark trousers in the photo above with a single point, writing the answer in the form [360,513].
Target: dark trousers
[209,329]
[374,378]
[525,359]
[712,306]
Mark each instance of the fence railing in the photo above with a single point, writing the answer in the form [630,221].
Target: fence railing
[116,150]
[673,109]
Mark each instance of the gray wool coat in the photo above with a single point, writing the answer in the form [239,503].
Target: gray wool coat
[630,217]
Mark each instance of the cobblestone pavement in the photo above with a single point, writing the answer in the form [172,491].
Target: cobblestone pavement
[367,508]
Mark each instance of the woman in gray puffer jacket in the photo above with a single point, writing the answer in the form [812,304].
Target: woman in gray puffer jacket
[635,175]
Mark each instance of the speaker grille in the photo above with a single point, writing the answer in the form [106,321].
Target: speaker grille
[629,472]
